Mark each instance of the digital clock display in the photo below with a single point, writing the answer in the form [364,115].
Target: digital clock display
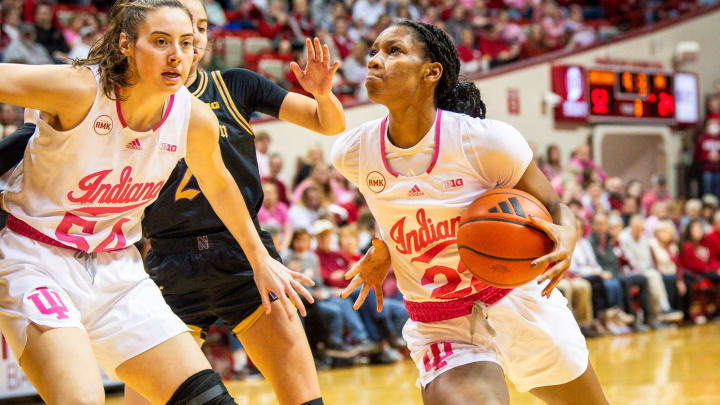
[615,94]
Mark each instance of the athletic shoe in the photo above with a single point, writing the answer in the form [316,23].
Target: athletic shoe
[671,316]
[341,351]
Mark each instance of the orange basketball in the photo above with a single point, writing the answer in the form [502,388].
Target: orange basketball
[497,241]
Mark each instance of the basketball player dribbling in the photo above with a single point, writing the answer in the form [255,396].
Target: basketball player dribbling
[114,127]
[419,168]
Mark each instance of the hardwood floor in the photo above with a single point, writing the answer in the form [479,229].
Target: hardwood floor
[670,366]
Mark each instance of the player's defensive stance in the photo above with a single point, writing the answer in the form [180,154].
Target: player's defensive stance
[112,131]
[419,169]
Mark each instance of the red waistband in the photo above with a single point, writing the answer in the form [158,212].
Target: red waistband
[20,227]
[436,311]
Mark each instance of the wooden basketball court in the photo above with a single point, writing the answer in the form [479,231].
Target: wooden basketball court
[670,366]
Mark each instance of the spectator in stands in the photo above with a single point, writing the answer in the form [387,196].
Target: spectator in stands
[215,13]
[630,208]
[606,290]
[354,67]
[11,20]
[713,106]
[583,168]
[707,156]
[658,213]
[553,24]
[275,213]
[368,11]
[11,115]
[27,50]
[262,144]
[552,165]
[457,22]
[520,9]
[636,248]
[658,192]
[511,32]
[696,260]
[307,210]
[666,256]
[320,179]
[712,238]
[577,291]
[693,211]
[337,314]
[594,198]
[634,189]
[614,187]
[275,168]
[275,22]
[313,156]
[581,34]
[536,43]
[709,205]
[495,49]
[48,35]
[301,22]
[333,266]
[604,248]
[470,58]
[81,49]
[341,39]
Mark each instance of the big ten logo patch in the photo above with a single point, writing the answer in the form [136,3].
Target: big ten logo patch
[223,131]
[47,302]
[214,105]
[376,182]
[168,147]
[452,184]
[103,125]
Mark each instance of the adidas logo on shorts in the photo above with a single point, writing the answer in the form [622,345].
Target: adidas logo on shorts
[134,144]
[415,191]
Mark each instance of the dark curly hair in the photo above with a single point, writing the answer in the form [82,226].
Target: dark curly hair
[125,16]
[452,93]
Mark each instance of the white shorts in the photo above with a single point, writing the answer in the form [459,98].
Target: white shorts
[535,340]
[106,294]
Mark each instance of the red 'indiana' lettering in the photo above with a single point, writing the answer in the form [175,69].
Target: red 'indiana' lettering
[427,233]
[125,191]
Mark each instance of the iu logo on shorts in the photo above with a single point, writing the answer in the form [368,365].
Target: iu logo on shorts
[435,357]
[48,302]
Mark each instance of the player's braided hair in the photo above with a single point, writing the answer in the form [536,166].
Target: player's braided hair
[452,93]
[125,17]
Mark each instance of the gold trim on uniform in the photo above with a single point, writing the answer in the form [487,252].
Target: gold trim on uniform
[249,321]
[225,95]
[202,86]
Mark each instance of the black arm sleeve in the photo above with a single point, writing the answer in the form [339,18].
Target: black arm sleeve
[12,148]
[252,92]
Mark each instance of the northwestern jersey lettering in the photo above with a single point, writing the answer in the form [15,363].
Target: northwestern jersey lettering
[181,210]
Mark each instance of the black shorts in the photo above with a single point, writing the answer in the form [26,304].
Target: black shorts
[206,278]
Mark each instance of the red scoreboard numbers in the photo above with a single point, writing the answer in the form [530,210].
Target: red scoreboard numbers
[617,95]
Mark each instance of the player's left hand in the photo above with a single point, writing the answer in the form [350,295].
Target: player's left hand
[559,259]
[317,77]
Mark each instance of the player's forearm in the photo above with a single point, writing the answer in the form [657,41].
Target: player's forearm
[330,114]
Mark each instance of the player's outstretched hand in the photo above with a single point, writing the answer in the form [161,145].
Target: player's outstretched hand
[318,74]
[272,276]
[559,259]
[370,272]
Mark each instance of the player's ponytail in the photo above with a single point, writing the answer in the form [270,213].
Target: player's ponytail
[452,93]
[125,17]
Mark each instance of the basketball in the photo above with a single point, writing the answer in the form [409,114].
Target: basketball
[498,242]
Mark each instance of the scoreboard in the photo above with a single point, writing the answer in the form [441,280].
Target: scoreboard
[625,95]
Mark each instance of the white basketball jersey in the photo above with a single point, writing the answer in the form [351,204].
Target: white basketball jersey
[87,187]
[419,215]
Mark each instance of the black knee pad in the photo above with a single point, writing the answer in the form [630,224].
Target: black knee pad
[202,388]
[316,401]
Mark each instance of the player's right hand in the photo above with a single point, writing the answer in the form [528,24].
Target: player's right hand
[370,272]
[272,276]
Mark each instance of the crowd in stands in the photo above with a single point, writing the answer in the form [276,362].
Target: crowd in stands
[266,35]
